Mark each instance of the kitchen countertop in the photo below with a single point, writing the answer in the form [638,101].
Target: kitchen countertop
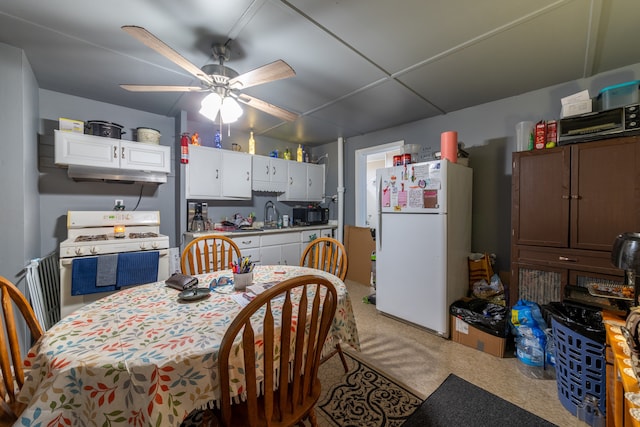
[261,231]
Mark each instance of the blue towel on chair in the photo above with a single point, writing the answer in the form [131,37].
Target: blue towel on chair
[107,268]
[135,268]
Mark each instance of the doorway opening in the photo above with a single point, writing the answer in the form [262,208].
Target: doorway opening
[367,161]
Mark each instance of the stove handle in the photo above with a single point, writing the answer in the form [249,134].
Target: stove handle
[68,261]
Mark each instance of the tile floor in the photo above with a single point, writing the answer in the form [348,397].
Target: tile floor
[423,360]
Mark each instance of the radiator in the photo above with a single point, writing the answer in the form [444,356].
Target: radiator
[43,281]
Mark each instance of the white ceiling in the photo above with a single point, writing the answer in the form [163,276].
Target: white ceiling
[361,65]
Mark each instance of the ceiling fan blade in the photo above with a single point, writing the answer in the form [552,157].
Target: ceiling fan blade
[267,73]
[159,46]
[153,88]
[267,108]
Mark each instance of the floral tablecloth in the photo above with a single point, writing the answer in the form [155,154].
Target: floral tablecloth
[142,357]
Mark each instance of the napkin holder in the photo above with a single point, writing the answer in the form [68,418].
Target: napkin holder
[181,281]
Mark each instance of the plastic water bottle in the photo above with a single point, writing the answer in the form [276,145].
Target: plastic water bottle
[550,355]
[589,414]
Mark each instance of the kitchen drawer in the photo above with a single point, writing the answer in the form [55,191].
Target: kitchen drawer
[279,239]
[305,236]
[247,242]
[595,261]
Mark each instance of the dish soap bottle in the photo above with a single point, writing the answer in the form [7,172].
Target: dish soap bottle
[217,140]
[252,144]
[287,154]
[299,153]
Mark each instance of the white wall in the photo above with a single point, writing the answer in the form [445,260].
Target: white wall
[59,193]
[20,208]
[488,132]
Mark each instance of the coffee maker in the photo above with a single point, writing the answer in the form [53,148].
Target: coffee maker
[197,216]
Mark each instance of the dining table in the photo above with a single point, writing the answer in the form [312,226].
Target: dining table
[145,356]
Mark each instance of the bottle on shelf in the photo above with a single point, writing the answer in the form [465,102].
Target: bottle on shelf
[299,154]
[252,144]
[305,155]
[287,154]
[217,139]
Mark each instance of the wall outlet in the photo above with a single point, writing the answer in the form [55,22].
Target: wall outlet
[119,202]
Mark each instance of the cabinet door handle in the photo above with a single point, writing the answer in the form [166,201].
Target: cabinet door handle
[123,152]
[267,169]
[310,182]
[566,197]
[115,151]
[564,258]
[217,173]
[575,196]
[248,176]
[290,180]
[274,170]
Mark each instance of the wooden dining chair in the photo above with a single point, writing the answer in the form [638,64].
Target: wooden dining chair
[11,362]
[289,388]
[327,254]
[208,253]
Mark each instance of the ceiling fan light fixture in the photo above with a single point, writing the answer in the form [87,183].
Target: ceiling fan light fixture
[210,106]
[230,110]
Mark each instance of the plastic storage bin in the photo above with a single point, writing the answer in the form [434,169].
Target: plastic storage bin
[619,95]
[580,367]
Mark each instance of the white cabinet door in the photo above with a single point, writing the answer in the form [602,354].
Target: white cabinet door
[86,150]
[261,168]
[213,173]
[280,248]
[315,182]
[77,149]
[236,174]
[145,157]
[269,174]
[279,173]
[270,255]
[305,183]
[203,173]
[290,254]
[296,182]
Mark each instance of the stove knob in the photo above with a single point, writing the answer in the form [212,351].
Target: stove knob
[93,250]
[78,251]
[143,246]
[154,245]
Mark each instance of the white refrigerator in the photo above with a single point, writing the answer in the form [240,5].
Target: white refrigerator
[423,240]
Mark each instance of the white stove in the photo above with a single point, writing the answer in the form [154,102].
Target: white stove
[104,234]
[94,233]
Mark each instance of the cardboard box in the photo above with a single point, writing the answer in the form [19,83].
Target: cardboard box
[466,334]
[69,125]
[359,245]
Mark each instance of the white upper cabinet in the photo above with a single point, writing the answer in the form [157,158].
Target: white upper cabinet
[305,183]
[213,173]
[77,149]
[269,174]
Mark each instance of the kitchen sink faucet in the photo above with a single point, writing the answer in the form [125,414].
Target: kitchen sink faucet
[270,221]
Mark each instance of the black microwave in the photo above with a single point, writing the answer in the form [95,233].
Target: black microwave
[310,216]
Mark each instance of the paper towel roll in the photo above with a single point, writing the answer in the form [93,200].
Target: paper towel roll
[449,146]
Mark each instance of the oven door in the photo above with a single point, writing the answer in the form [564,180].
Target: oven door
[85,284]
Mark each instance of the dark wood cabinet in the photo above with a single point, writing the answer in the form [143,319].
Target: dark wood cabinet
[568,205]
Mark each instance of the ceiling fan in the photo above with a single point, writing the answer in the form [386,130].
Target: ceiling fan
[224,83]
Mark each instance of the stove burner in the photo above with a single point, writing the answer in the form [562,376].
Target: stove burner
[142,235]
[91,238]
